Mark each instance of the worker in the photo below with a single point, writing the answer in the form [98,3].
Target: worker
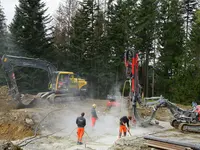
[61,82]
[94,116]
[194,104]
[81,123]
[67,81]
[124,125]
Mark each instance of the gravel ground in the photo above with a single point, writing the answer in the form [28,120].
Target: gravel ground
[105,134]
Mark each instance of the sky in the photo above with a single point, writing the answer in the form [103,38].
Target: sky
[9,7]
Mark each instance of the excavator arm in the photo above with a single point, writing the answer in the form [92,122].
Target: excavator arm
[8,64]
[185,120]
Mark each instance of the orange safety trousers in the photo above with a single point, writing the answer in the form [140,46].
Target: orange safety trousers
[122,129]
[93,119]
[80,133]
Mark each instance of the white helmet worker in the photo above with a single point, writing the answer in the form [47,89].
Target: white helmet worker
[94,106]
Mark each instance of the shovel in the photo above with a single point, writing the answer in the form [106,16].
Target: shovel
[128,130]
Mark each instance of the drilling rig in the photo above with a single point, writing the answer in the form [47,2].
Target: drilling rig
[184,120]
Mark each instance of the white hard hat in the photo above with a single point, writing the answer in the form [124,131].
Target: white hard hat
[94,105]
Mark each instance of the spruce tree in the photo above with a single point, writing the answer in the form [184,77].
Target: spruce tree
[189,76]
[194,43]
[81,40]
[31,32]
[145,34]
[3,31]
[61,31]
[30,29]
[186,82]
[3,47]
[120,31]
[171,45]
[190,7]
[88,46]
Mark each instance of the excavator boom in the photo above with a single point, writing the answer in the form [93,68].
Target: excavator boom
[8,64]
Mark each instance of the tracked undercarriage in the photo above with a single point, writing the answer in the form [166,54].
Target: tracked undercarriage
[187,127]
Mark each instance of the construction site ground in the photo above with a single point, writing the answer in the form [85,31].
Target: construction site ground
[52,127]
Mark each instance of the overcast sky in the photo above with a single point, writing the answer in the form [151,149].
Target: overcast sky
[9,7]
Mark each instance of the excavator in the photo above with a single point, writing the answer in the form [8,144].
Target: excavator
[62,84]
[184,120]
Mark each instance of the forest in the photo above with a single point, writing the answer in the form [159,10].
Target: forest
[89,37]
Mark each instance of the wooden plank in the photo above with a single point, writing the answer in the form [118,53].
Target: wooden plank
[165,146]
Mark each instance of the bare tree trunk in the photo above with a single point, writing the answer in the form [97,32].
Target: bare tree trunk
[63,19]
[153,75]
[147,74]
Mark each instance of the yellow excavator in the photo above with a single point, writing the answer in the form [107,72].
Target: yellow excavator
[62,84]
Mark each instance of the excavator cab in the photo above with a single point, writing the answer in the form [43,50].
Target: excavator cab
[68,82]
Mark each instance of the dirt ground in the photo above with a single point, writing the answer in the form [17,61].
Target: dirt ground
[14,124]
[56,128]
[5,99]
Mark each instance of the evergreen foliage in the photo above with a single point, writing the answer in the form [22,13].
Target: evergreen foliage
[30,29]
[3,31]
[32,34]
[92,36]
[3,47]
[171,45]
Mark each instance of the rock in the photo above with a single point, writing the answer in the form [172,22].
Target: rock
[29,121]
[9,146]
[129,143]
[156,122]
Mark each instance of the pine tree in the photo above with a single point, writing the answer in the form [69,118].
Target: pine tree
[30,29]
[81,35]
[82,40]
[61,31]
[3,31]
[171,45]
[186,83]
[195,37]
[188,79]
[63,20]
[120,30]
[3,47]
[88,46]
[119,35]
[32,34]
[190,7]
[145,34]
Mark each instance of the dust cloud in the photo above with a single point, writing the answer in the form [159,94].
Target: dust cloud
[63,116]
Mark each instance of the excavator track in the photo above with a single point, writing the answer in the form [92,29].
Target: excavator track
[189,127]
